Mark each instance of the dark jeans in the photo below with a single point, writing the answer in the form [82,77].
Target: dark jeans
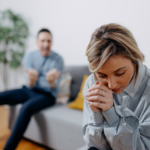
[33,100]
[92,148]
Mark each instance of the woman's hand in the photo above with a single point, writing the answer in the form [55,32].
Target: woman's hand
[99,97]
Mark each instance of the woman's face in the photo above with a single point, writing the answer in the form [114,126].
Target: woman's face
[116,73]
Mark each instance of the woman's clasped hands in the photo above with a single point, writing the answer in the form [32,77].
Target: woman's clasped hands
[99,97]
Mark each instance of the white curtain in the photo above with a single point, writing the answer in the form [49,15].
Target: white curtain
[15,77]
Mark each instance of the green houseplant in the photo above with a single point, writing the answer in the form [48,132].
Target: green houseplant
[13,34]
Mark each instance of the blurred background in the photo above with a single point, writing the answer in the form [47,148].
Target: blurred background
[72,23]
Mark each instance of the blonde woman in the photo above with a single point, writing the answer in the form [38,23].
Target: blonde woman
[117,93]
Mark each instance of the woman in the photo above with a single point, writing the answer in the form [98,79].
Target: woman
[117,94]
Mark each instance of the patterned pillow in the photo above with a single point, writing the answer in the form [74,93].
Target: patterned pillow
[64,91]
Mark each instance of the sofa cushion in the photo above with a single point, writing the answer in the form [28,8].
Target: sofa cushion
[57,127]
[83,148]
[79,101]
[77,73]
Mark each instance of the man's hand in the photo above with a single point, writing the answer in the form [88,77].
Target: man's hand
[33,76]
[51,76]
[99,97]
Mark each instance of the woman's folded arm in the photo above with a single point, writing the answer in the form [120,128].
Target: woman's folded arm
[124,131]
[93,127]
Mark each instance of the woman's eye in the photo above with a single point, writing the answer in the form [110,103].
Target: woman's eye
[116,75]
[120,74]
[101,76]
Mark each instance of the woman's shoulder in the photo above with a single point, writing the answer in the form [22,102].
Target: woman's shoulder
[148,75]
[90,80]
[147,71]
[144,90]
[145,84]
[88,83]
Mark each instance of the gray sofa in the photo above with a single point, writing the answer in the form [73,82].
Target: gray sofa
[57,127]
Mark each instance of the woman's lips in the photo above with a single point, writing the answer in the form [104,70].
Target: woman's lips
[116,90]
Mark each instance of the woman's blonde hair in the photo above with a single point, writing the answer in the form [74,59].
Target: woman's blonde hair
[112,39]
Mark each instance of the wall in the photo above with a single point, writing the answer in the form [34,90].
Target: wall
[72,22]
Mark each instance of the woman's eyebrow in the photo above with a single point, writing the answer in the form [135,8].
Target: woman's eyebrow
[114,71]
[120,69]
[100,73]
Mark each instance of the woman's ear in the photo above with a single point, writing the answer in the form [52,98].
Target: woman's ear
[135,67]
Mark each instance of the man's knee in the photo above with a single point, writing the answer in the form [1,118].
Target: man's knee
[6,96]
[26,109]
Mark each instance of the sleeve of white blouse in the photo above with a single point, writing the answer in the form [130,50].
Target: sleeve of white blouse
[124,131]
[93,126]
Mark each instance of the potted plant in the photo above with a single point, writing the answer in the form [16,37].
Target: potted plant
[13,34]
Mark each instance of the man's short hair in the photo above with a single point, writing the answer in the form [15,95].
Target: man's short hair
[44,30]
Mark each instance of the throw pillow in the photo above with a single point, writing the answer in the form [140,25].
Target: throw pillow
[64,91]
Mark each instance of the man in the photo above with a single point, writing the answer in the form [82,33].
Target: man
[43,68]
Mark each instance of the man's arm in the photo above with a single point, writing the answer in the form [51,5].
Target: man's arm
[53,76]
[31,74]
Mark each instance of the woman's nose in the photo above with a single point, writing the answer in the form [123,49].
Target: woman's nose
[112,84]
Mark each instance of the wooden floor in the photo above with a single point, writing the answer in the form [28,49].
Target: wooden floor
[5,133]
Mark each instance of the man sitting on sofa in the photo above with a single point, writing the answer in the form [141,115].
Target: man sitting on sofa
[43,68]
